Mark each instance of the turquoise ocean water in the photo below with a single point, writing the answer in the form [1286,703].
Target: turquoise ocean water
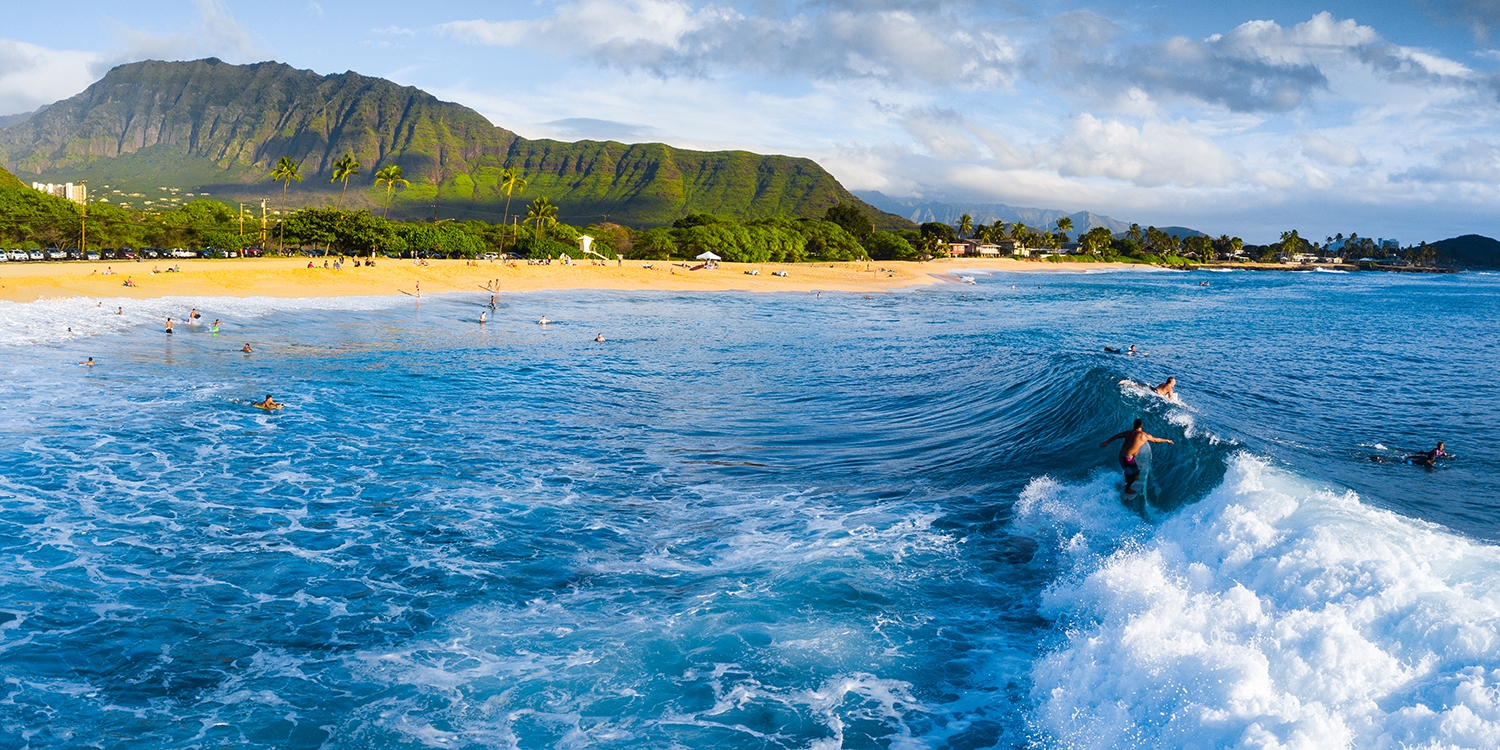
[777,521]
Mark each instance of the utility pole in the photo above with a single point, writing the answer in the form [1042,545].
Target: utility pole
[242,221]
[263,225]
[83,223]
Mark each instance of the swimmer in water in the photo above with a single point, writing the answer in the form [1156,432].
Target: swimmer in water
[169,325]
[193,317]
[246,349]
[481,317]
[1165,390]
[268,403]
[87,363]
[1131,350]
[543,321]
[1134,438]
[120,311]
[215,327]
[599,338]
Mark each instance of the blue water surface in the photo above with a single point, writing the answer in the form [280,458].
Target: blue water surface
[757,521]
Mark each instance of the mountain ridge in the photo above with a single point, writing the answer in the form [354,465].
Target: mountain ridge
[215,127]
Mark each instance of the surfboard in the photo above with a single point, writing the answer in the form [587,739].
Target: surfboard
[267,408]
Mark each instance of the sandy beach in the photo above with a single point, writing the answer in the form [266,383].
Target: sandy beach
[290,277]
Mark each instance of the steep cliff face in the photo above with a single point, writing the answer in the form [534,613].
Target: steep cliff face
[210,125]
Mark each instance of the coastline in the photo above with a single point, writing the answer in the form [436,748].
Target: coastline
[291,278]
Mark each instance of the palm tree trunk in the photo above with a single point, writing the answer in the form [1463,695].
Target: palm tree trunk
[343,190]
[281,223]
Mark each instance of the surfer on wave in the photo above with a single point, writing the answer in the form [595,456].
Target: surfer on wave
[1167,390]
[1134,438]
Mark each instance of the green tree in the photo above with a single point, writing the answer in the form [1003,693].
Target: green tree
[1065,224]
[1097,241]
[965,225]
[542,213]
[285,172]
[851,219]
[347,166]
[390,175]
[512,181]
[656,244]
[889,246]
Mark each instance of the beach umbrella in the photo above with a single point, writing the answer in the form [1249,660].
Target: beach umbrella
[708,255]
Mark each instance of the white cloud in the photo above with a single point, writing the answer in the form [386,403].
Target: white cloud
[1152,155]
[672,38]
[31,76]
[216,33]
[1317,147]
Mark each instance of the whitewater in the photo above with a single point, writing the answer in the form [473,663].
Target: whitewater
[757,520]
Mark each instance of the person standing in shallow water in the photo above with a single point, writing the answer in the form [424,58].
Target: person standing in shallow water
[1134,438]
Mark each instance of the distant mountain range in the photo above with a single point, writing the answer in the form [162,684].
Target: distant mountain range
[208,126]
[921,212]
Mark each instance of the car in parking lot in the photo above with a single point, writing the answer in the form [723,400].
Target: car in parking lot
[36,255]
[55,254]
[17,255]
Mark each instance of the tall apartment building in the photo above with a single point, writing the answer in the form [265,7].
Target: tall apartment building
[78,193]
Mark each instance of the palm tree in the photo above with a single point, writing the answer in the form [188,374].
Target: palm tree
[284,172]
[1065,224]
[390,174]
[541,213]
[965,225]
[512,181]
[346,167]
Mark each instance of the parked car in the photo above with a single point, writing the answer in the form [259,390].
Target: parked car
[128,254]
[75,255]
[17,255]
[36,255]
[92,256]
[152,254]
[55,254]
[180,253]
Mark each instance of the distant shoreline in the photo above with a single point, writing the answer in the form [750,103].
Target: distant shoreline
[292,278]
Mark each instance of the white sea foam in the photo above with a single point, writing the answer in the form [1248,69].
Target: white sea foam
[1272,614]
[51,321]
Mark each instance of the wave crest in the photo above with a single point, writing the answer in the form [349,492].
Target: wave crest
[1276,614]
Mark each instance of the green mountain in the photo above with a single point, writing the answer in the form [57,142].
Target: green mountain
[1468,251]
[210,127]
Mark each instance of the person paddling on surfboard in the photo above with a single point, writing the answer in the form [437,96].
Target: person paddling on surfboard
[267,404]
[1429,458]
[1134,438]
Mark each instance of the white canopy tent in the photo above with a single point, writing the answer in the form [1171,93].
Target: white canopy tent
[708,255]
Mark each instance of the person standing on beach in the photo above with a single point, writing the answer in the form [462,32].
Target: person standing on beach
[1134,438]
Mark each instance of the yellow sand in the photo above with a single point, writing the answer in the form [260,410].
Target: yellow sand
[290,277]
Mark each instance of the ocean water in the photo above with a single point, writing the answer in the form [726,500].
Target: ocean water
[783,521]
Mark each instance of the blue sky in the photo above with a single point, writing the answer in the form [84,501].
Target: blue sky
[1241,118]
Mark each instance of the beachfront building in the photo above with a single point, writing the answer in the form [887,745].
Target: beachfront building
[76,192]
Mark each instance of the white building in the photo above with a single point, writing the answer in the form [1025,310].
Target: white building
[78,193]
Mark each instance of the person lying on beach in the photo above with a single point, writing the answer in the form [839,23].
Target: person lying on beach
[1134,438]
[1166,390]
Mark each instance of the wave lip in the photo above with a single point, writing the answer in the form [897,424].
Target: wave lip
[1274,614]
